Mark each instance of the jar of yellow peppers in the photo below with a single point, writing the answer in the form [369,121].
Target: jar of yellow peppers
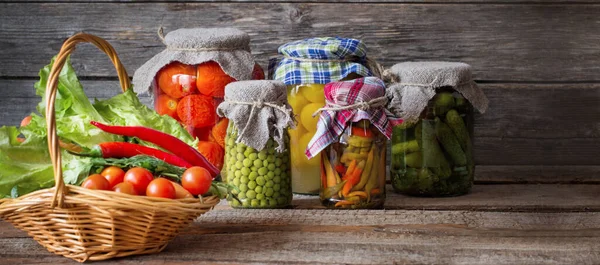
[307,65]
[352,135]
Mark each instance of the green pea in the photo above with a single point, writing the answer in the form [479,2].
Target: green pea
[253,175]
[271,167]
[240,148]
[270,175]
[271,151]
[276,187]
[241,196]
[250,150]
[254,169]
[265,163]
[269,192]
[270,142]
[235,203]
[260,181]
[263,171]
[254,203]
[269,183]
[277,179]
[235,192]
[282,201]
[243,179]
[260,196]
[259,190]
[243,187]
[271,158]
[239,156]
[277,171]
[247,162]
[252,185]
[253,156]
[262,155]
[230,142]
[272,203]
[258,163]
[245,171]
[246,203]
[236,182]
[278,162]
[239,165]
[263,203]
[251,194]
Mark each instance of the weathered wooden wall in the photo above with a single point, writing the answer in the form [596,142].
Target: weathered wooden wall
[536,60]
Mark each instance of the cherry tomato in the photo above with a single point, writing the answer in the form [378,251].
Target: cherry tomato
[114,175]
[124,187]
[140,178]
[96,182]
[196,180]
[177,80]
[162,188]
[26,121]
[181,192]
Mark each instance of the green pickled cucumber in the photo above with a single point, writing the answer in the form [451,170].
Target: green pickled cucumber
[457,125]
[398,161]
[419,131]
[442,103]
[432,152]
[405,147]
[426,180]
[253,173]
[449,142]
[414,159]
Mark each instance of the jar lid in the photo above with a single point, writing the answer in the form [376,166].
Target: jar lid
[415,84]
[319,60]
[208,38]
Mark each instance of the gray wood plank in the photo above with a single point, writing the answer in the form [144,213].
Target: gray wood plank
[337,1]
[501,41]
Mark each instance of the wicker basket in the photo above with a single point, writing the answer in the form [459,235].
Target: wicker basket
[84,224]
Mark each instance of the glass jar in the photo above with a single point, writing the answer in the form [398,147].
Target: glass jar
[262,178]
[353,174]
[190,94]
[434,157]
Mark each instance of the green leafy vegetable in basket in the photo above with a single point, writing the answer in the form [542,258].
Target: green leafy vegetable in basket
[25,165]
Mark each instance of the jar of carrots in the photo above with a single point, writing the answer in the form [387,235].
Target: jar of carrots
[187,81]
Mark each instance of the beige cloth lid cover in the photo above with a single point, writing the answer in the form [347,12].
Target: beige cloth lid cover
[229,47]
[408,97]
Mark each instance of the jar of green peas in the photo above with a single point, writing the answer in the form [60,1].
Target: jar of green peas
[257,158]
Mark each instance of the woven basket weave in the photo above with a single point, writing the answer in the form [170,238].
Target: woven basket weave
[84,224]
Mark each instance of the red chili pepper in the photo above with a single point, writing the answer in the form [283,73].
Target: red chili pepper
[166,141]
[124,149]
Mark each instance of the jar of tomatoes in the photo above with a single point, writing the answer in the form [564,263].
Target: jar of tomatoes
[257,144]
[432,150]
[187,81]
[352,135]
[307,65]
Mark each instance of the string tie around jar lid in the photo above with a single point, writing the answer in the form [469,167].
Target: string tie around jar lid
[362,105]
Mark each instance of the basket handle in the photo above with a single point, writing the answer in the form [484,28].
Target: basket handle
[51,88]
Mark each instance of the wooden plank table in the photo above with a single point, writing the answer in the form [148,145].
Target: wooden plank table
[495,224]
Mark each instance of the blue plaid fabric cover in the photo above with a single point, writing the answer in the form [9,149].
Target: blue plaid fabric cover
[294,72]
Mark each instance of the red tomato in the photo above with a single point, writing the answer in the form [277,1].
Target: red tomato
[96,182]
[177,80]
[196,180]
[162,188]
[124,187]
[140,178]
[114,175]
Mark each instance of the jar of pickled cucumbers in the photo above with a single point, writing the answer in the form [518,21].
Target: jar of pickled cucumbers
[187,81]
[432,150]
[307,65]
[351,137]
[257,159]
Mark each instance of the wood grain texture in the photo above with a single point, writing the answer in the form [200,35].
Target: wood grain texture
[511,42]
[359,237]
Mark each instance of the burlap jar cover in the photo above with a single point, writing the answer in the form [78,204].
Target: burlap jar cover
[229,47]
[415,83]
[259,110]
